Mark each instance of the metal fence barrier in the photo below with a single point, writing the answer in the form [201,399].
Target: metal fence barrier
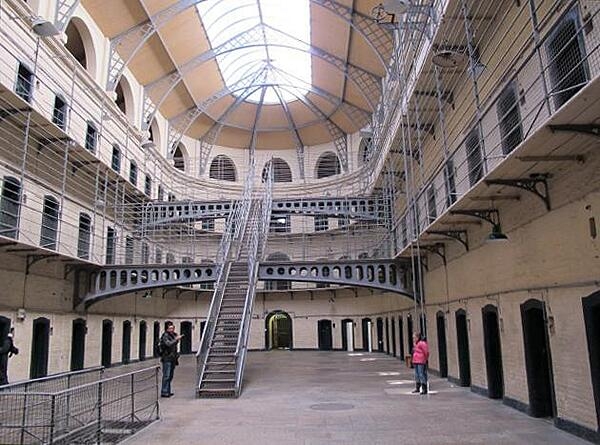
[104,411]
[56,382]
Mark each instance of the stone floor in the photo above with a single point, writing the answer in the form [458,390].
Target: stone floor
[310,398]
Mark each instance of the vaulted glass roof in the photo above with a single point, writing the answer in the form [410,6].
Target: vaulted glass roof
[275,34]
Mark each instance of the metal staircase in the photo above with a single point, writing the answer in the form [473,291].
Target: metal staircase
[222,353]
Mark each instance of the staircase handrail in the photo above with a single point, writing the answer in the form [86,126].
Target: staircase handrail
[256,245]
[231,233]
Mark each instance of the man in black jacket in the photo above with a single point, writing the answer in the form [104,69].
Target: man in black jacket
[7,349]
[168,356]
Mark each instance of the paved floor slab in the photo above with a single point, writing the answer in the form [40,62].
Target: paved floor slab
[318,397]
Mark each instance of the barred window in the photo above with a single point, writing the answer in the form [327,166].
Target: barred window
[10,207]
[509,118]
[281,171]
[222,168]
[24,84]
[328,164]
[474,156]
[85,232]
[49,223]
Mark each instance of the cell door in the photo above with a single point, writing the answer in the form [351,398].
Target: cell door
[462,340]
[393,327]
[78,344]
[40,348]
[366,334]
[493,352]
[142,341]
[345,342]
[591,314]
[538,362]
[185,345]
[126,343]
[324,334]
[106,353]
[441,338]
[380,335]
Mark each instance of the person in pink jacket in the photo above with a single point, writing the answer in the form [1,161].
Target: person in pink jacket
[419,359]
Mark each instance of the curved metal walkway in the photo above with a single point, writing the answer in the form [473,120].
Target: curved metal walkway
[110,281]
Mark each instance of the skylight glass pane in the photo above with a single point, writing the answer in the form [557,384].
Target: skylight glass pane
[261,24]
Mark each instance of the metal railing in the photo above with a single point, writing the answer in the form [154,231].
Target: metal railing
[554,57]
[56,382]
[102,411]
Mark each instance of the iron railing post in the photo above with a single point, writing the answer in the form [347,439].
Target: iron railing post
[99,419]
[52,417]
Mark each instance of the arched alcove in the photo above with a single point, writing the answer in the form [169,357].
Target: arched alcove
[124,98]
[180,157]
[278,331]
[223,169]
[154,134]
[81,45]
[328,164]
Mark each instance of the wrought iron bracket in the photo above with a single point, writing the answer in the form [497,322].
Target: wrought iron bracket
[590,129]
[490,215]
[32,259]
[458,235]
[438,249]
[536,184]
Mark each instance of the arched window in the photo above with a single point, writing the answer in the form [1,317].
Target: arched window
[80,44]
[365,150]
[278,285]
[124,99]
[179,158]
[83,241]
[49,223]
[10,205]
[222,168]
[281,171]
[328,165]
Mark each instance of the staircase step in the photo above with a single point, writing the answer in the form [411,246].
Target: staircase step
[219,371]
[216,393]
[218,381]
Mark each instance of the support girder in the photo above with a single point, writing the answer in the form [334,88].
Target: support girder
[109,281]
[126,45]
[366,82]
[358,208]
[64,11]
[179,125]
[295,134]
[386,275]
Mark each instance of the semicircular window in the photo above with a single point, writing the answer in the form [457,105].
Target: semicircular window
[223,169]
[261,42]
[281,171]
[328,165]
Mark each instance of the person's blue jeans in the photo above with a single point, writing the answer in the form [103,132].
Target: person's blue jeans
[421,374]
[168,369]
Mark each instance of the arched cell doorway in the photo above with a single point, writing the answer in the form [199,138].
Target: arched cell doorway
[278,330]
[379,323]
[538,360]
[366,334]
[493,352]
[401,336]
[126,343]
[4,326]
[462,341]
[324,335]
[591,314]
[393,329]
[142,341]
[40,348]
[106,351]
[387,335]
[409,329]
[78,333]
[185,345]
[348,334]
[155,338]
[441,338]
